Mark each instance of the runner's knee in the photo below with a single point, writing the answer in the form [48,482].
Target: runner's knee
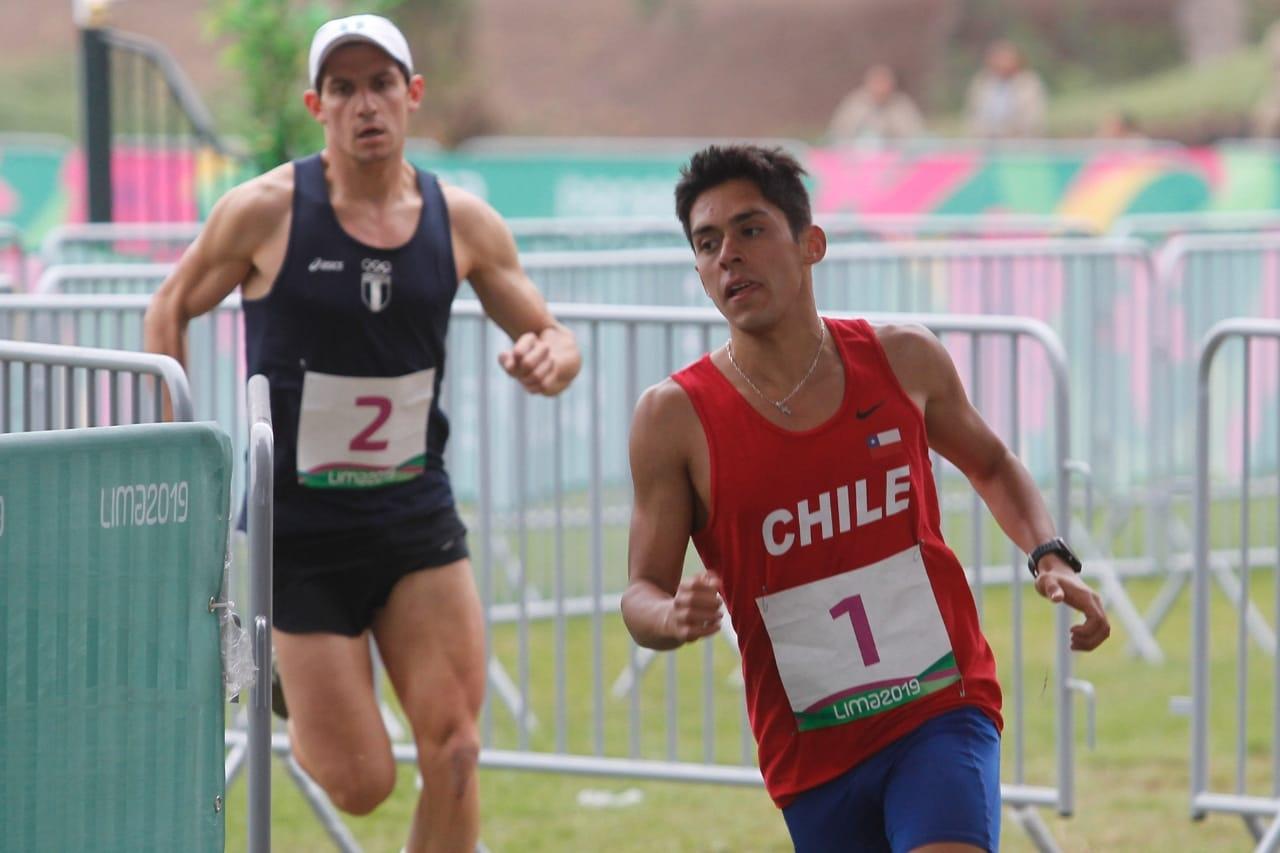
[451,754]
[357,785]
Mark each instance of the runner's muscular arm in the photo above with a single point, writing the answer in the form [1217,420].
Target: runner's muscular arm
[218,261]
[544,357]
[958,432]
[660,610]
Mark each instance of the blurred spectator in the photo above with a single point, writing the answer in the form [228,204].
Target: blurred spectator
[1119,124]
[1006,99]
[1266,112]
[876,110]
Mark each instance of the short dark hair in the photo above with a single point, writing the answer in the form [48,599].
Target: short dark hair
[774,172]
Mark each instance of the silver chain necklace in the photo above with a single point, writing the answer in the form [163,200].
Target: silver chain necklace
[780,405]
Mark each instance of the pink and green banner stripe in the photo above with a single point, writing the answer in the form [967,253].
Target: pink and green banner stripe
[866,700]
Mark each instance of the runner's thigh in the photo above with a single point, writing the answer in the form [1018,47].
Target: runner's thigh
[945,785]
[431,638]
[333,715]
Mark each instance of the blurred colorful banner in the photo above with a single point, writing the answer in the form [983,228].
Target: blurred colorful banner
[42,184]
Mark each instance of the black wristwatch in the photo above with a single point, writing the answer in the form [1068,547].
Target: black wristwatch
[1053,546]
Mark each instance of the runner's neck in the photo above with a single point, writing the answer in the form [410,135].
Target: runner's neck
[781,355]
[378,183]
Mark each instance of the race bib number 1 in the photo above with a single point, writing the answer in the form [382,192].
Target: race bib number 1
[362,432]
[859,643]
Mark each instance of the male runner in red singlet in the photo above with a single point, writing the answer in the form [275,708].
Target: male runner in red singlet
[797,458]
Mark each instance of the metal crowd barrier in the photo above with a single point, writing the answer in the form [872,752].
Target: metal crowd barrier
[104,279]
[260,510]
[1204,279]
[44,387]
[1094,293]
[1250,408]
[117,242]
[605,233]
[150,136]
[13,259]
[164,242]
[1157,228]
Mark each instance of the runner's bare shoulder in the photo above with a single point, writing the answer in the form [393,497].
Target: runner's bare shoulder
[905,339]
[909,347]
[918,359]
[472,218]
[248,214]
[483,243]
[665,415]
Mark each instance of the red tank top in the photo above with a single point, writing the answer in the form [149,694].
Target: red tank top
[828,543]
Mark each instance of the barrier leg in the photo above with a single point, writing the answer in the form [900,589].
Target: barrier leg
[1258,627]
[643,658]
[1227,580]
[235,762]
[1117,599]
[632,672]
[1163,603]
[1270,840]
[1036,829]
[510,695]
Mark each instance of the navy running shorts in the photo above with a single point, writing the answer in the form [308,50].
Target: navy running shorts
[940,783]
[335,582]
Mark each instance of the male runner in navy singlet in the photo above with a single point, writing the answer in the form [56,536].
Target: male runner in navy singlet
[348,262]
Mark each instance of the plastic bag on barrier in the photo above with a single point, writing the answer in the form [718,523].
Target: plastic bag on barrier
[239,672]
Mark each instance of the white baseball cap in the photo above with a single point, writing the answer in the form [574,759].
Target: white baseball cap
[373,29]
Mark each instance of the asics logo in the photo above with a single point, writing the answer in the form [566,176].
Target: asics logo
[321,265]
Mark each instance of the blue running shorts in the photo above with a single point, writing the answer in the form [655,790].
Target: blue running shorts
[939,783]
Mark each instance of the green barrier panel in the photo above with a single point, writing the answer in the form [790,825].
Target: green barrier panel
[552,185]
[112,543]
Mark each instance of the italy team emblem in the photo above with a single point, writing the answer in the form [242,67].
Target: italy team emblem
[375,283]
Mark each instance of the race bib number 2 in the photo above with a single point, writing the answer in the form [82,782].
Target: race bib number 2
[859,643]
[362,432]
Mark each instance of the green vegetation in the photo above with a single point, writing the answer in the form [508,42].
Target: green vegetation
[1175,103]
[39,95]
[1224,89]
[266,36]
[1132,790]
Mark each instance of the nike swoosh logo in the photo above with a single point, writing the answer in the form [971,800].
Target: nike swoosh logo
[863,414]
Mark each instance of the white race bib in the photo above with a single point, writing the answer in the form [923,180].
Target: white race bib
[859,643]
[358,432]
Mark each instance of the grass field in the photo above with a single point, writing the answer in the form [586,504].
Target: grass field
[1132,789]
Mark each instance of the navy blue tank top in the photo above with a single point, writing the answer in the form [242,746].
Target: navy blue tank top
[356,337]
